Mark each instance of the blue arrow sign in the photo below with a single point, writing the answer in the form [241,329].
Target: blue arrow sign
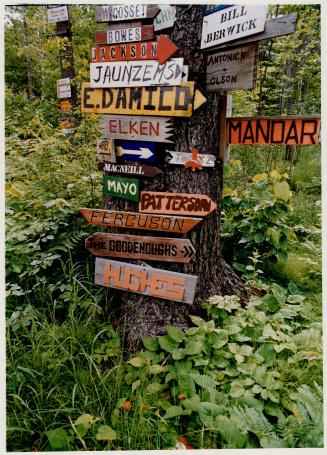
[208,9]
[136,150]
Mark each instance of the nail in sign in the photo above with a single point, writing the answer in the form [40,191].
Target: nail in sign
[134,220]
[136,74]
[141,128]
[126,12]
[145,280]
[176,203]
[120,187]
[140,247]
[160,50]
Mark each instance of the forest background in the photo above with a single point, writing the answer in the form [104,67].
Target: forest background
[69,382]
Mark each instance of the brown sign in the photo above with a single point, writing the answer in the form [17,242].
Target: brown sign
[124,35]
[159,283]
[129,169]
[274,130]
[160,50]
[126,12]
[176,203]
[232,69]
[140,247]
[133,220]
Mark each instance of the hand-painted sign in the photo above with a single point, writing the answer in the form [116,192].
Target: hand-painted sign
[177,101]
[121,187]
[187,159]
[274,130]
[106,150]
[280,26]
[136,128]
[232,69]
[136,150]
[124,35]
[140,247]
[145,280]
[63,88]
[57,13]
[176,203]
[126,12]
[166,18]
[160,50]
[232,23]
[208,9]
[136,74]
[134,220]
[129,169]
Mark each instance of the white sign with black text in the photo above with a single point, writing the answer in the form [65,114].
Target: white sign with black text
[232,23]
[136,74]
[57,13]
[64,88]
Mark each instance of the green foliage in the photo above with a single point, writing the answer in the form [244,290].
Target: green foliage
[255,220]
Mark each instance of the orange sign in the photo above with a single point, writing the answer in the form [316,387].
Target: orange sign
[274,130]
[65,105]
[176,203]
[159,283]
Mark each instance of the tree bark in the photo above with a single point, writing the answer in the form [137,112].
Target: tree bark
[147,316]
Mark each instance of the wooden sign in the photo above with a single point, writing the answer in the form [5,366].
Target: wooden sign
[129,169]
[134,220]
[280,26]
[184,158]
[160,50]
[166,18]
[177,101]
[106,150]
[208,9]
[63,88]
[136,74]
[274,130]
[120,187]
[57,13]
[124,35]
[145,280]
[176,203]
[232,23]
[136,150]
[136,128]
[126,12]
[140,247]
[232,69]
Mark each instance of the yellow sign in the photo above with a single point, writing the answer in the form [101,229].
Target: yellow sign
[179,101]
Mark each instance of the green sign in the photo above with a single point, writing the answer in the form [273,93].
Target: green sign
[121,187]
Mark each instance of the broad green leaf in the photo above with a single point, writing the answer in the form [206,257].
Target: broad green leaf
[176,333]
[167,344]
[259,177]
[156,369]
[295,298]
[232,435]
[273,409]
[178,354]
[192,404]
[175,411]
[87,420]
[185,383]
[282,190]
[136,384]
[220,340]
[203,380]
[105,433]
[153,388]
[246,350]
[233,347]
[197,320]
[151,344]
[208,414]
[236,390]
[193,347]
[58,438]
[137,362]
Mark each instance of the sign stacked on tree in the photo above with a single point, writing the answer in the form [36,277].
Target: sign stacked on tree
[231,35]
[139,86]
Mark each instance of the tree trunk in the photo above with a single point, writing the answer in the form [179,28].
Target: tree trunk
[147,316]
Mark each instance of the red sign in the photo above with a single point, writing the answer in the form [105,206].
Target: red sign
[124,35]
[160,50]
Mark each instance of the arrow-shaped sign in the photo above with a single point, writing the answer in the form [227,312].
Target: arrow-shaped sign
[160,50]
[129,169]
[140,247]
[134,220]
[143,128]
[176,203]
[136,150]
